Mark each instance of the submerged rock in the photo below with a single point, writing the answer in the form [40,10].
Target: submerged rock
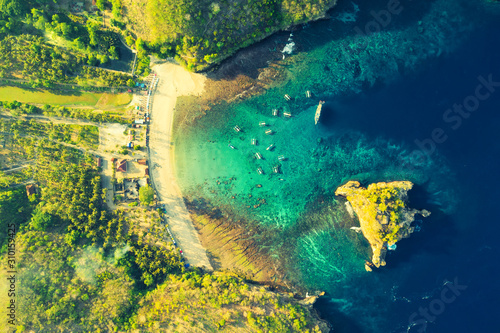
[382,212]
[368,266]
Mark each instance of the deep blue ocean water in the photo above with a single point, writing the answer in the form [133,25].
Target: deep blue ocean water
[443,278]
[463,246]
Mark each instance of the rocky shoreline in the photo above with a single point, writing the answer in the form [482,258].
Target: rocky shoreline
[383,214]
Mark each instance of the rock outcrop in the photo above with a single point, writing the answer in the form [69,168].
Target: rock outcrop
[382,213]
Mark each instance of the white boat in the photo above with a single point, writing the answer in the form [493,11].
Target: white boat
[262,124]
[275,112]
[269,132]
[232,147]
[318,112]
[260,171]
[254,142]
[308,94]
[281,158]
[258,156]
[270,147]
[287,114]
[276,169]
[287,97]
[237,128]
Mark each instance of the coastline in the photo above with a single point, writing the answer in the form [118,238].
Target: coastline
[174,81]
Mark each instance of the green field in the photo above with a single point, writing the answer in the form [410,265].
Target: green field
[113,100]
[39,96]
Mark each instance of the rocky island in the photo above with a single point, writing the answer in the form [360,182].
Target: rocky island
[382,212]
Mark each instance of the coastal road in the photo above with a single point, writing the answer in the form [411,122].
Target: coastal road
[174,81]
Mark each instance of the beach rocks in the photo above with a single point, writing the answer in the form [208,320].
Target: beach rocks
[369,266]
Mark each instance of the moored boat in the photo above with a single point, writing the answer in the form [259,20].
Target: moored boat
[317,115]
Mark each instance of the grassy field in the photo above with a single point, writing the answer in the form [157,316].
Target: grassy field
[102,100]
[113,100]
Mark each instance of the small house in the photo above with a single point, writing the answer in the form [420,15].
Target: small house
[30,189]
[121,166]
[142,162]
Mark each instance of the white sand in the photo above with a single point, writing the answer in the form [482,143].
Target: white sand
[174,81]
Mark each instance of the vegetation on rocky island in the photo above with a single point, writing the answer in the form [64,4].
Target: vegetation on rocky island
[383,213]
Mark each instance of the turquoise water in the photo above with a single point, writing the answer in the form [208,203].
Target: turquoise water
[382,92]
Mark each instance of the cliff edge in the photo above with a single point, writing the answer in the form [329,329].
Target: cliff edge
[382,212]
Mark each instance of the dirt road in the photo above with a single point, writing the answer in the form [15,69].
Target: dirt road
[174,81]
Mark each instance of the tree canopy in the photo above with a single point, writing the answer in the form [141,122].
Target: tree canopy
[202,33]
[146,195]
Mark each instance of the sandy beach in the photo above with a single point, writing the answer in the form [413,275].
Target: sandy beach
[174,81]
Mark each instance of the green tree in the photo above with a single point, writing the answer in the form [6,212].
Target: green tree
[131,83]
[117,8]
[15,209]
[92,31]
[104,59]
[40,220]
[146,195]
[100,4]
[113,53]
[12,7]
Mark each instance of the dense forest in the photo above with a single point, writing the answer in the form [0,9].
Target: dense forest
[198,34]
[44,44]
[202,33]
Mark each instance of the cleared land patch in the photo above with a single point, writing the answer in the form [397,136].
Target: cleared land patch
[113,100]
[40,96]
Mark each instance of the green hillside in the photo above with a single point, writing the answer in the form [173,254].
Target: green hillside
[202,33]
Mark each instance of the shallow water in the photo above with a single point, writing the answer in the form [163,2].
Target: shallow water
[367,132]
